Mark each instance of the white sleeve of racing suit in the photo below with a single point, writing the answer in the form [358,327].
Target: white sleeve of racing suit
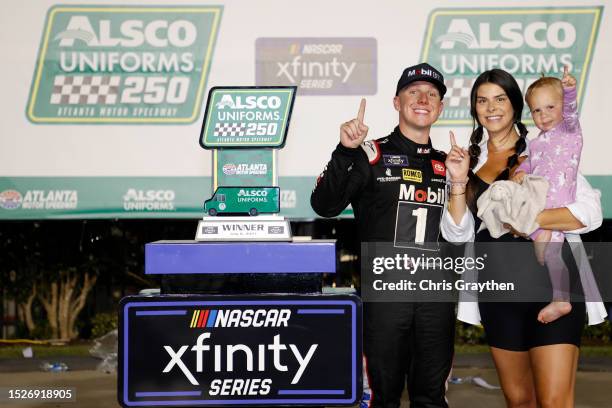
[587,207]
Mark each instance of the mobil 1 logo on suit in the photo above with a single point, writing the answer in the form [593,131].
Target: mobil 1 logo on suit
[420,206]
[418,217]
[237,350]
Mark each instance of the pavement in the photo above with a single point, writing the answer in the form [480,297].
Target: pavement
[95,389]
[475,360]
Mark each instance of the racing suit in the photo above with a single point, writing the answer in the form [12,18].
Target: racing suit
[397,190]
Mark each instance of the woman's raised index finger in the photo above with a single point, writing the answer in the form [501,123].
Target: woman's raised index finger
[361,112]
[453,142]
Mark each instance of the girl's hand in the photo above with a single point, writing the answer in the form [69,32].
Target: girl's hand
[568,81]
[518,177]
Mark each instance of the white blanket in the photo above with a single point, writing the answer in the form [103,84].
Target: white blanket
[518,205]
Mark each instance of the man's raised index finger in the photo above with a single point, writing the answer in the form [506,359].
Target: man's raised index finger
[361,112]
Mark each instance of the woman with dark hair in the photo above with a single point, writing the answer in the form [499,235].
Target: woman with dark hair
[536,362]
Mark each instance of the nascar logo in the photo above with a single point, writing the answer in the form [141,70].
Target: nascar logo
[240,318]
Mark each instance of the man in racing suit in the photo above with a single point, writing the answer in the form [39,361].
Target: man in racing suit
[396,185]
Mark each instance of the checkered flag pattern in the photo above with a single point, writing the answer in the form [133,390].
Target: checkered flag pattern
[458,92]
[85,90]
[229,129]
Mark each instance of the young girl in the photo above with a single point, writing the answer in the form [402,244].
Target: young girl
[554,155]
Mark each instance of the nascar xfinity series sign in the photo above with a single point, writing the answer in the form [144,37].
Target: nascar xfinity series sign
[123,64]
[232,351]
[247,117]
[527,42]
[318,66]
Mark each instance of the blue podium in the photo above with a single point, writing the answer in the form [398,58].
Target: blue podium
[240,267]
[240,324]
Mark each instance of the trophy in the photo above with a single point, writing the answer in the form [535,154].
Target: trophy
[245,127]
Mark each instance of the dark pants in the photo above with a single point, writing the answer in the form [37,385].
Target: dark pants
[409,343]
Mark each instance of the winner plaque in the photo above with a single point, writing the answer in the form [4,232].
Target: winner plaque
[245,127]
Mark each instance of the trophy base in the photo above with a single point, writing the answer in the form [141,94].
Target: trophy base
[259,228]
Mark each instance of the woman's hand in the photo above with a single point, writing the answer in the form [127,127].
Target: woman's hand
[555,219]
[558,219]
[514,232]
[457,161]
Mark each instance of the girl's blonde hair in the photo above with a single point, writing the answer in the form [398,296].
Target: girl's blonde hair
[543,82]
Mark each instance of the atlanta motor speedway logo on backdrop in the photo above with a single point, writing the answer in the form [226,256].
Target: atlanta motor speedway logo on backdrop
[10,199]
[116,64]
[39,200]
[462,43]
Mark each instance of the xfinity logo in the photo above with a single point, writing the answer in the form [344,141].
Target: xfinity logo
[318,66]
[296,67]
[240,350]
[395,160]
[274,354]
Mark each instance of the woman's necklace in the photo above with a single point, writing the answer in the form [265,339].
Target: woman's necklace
[501,146]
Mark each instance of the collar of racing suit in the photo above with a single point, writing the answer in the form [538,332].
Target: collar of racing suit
[409,146]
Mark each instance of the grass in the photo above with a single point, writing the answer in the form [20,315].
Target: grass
[82,350]
[596,351]
[471,348]
[586,351]
[77,350]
